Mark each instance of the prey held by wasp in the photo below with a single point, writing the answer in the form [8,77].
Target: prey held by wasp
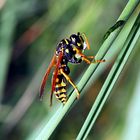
[69,50]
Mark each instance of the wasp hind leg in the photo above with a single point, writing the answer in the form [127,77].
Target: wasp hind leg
[71,82]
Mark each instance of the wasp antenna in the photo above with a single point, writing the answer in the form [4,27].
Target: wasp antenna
[78,33]
[88,46]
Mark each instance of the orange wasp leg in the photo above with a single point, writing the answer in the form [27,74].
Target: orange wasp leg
[59,59]
[90,62]
[43,83]
[71,82]
[85,58]
[98,61]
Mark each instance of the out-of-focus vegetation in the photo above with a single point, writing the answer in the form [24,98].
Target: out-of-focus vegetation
[29,33]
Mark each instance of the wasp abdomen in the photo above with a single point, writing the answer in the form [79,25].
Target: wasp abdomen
[60,89]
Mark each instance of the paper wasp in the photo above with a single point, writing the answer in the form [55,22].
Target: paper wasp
[68,50]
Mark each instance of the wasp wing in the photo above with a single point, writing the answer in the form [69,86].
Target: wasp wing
[58,63]
[43,83]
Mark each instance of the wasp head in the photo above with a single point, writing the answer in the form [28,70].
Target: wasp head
[78,41]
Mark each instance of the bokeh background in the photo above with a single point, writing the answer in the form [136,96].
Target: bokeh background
[29,33]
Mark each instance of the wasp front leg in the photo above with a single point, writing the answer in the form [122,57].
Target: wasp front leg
[85,58]
[71,82]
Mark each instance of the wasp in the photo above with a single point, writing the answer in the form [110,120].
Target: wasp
[69,50]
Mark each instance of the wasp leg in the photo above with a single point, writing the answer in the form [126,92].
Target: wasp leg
[71,82]
[90,62]
[91,57]
[85,58]
[98,61]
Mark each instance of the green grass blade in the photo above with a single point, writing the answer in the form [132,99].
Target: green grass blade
[132,124]
[121,38]
[111,79]
[113,28]
[48,129]
[8,19]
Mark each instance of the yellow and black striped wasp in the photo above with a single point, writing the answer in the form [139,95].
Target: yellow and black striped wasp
[67,51]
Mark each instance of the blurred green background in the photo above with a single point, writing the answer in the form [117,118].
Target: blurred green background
[29,33]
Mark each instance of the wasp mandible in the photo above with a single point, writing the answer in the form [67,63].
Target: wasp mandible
[67,51]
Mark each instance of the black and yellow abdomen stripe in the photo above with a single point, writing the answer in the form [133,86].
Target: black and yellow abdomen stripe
[60,88]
